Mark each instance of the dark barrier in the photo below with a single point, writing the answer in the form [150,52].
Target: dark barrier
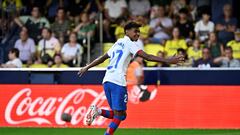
[186,98]
[165,76]
[14,77]
[200,77]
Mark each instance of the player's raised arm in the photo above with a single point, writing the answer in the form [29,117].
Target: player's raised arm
[96,62]
[171,60]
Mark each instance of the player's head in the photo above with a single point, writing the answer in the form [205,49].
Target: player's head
[132,30]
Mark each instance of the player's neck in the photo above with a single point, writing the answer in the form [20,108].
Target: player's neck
[128,37]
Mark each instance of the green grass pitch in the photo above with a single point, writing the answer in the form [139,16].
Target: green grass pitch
[96,131]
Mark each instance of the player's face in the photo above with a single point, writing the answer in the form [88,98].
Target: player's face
[133,34]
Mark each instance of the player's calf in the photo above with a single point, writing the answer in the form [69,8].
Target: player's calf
[106,113]
[118,117]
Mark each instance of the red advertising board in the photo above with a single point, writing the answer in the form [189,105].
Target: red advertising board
[163,107]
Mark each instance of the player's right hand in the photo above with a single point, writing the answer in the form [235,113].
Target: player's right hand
[82,71]
[176,59]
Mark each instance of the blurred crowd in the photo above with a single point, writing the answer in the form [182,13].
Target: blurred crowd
[55,33]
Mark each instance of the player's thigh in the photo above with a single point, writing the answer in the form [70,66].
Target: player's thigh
[107,90]
[119,98]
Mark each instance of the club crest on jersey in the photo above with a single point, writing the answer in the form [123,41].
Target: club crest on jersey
[121,44]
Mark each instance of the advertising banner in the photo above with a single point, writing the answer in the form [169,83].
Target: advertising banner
[150,106]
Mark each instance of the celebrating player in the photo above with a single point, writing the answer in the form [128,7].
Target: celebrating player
[114,82]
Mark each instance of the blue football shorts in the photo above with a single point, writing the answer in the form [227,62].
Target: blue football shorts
[116,95]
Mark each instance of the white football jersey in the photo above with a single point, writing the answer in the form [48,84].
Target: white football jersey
[120,56]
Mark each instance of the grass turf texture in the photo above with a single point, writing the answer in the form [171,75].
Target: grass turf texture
[94,131]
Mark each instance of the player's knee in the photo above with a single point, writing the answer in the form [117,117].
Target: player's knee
[122,115]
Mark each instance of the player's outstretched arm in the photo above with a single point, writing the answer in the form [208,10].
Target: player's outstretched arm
[96,62]
[171,60]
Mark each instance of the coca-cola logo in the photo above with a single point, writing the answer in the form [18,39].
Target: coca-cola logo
[39,109]
[27,105]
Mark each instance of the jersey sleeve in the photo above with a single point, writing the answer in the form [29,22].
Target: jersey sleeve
[134,48]
[110,51]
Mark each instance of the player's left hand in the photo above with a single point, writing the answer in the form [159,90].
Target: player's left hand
[82,71]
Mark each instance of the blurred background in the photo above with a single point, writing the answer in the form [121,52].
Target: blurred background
[62,33]
[41,41]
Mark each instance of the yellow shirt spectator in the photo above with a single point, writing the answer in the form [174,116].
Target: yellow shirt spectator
[52,46]
[38,66]
[194,53]
[17,3]
[235,47]
[60,66]
[172,46]
[144,31]
[119,32]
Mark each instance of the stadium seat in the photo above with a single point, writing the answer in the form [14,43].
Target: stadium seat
[38,66]
[106,47]
[24,65]
[152,49]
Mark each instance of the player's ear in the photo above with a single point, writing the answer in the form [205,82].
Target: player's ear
[126,32]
